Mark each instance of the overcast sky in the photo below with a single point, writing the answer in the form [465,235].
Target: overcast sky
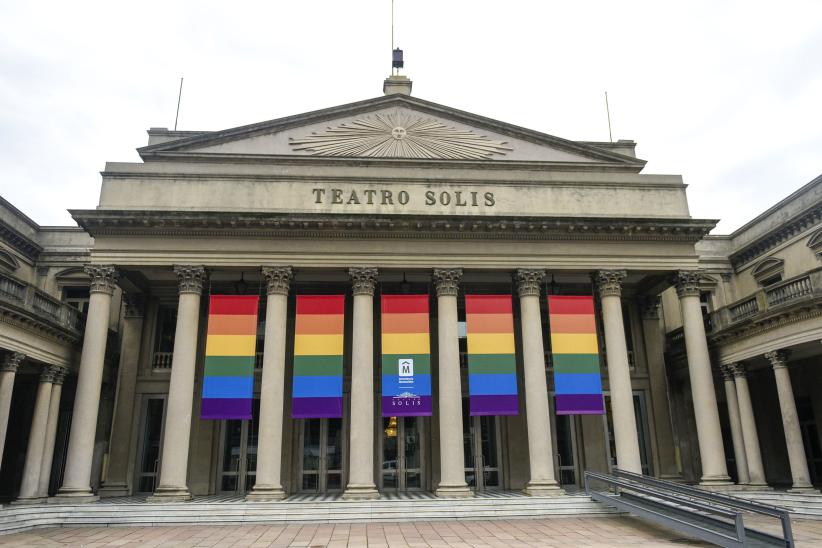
[727,94]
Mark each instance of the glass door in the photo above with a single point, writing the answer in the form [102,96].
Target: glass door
[402,454]
[482,450]
[238,454]
[151,436]
[321,461]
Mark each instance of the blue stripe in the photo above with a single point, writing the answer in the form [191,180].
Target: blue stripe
[318,386]
[421,385]
[577,383]
[492,385]
[228,387]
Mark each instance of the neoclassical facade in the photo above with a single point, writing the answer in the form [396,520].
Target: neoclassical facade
[392,196]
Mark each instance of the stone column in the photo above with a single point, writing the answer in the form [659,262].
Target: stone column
[537,411]
[753,454]
[655,352]
[790,422]
[29,488]
[452,457]
[7,373]
[117,481]
[709,434]
[174,466]
[270,438]
[609,286]
[736,424]
[77,475]
[58,377]
[361,449]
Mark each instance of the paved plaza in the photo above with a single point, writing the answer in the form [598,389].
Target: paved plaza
[578,532]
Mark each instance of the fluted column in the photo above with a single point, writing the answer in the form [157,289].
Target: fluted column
[708,431]
[58,377]
[29,487]
[117,480]
[8,371]
[790,422]
[452,458]
[609,286]
[741,458]
[174,466]
[268,485]
[753,453]
[361,449]
[537,410]
[77,475]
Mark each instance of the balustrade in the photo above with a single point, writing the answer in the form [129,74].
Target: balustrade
[39,303]
[789,290]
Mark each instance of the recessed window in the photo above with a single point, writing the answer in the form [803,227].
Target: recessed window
[78,297]
[769,271]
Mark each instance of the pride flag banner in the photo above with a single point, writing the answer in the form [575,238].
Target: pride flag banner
[231,343]
[576,355]
[492,364]
[406,356]
[318,357]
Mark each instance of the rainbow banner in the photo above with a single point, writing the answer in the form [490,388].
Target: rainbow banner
[576,355]
[318,357]
[492,364]
[406,356]
[228,382]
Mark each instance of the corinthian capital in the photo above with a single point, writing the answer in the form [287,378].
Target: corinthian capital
[447,281]
[727,371]
[649,306]
[778,358]
[738,369]
[363,280]
[687,283]
[12,361]
[278,279]
[609,282]
[190,278]
[134,304]
[529,281]
[58,374]
[103,278]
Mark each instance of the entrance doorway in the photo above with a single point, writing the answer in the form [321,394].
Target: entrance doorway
[482,449]
[566,450]
[402,450]
[150,444]
[322,449]
[641,418]
[238,453]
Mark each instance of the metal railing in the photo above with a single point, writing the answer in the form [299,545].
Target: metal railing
[161,361]
[39,304]
[709,516]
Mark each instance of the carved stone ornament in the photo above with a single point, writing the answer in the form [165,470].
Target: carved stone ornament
[48,372]
[649,306]
[727,371]
[190,279]
[687,283]
[363,280]
[609,282]
[738,369]
[400,135]
[59,375]
[778,358]
[12,361]
[103,278]
[134,305]
[529,281]
[447,281]
[278,279]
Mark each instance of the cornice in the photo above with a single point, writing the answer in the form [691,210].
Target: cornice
[19,241]
[41,327]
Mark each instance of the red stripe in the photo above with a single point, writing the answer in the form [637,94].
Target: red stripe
[488,304]
[234,305]
[404,304]
[320,304]
[566,304]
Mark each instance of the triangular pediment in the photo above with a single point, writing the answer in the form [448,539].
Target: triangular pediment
[391,127]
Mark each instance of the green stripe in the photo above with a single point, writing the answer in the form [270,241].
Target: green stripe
[495,364]
[318,366]
[239,367]
[576,363]
[391,363]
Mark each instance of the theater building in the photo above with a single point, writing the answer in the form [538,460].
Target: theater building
[708,347]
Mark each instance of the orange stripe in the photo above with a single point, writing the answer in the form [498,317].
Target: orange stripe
[404,323]
[319,324]
[221,324]
[572,323]
[489,323]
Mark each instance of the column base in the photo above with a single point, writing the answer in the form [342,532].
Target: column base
[114,490]
[360,492]
[453,491]
[718,483]
[266,493]
[169,494]
[676,478]
[30,500]
[73,495]
[543,489]
[757,486]
[809,490]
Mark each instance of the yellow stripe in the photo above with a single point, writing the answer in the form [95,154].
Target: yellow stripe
[574,343]
[491,343]
[230,345]
[318,345]
[405,343]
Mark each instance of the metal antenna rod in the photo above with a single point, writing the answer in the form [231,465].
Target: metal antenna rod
[608,111]
[392,26]
[179,96]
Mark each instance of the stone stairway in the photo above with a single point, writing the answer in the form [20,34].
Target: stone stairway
[298,509]
[801,505]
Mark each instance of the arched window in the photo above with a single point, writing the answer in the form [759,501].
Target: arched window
[769,271]
[815,243]
[8,261]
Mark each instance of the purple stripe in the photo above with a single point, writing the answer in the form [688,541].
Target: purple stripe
[580,404]
[226,408]
[316,408]
[406,407]
[494,405]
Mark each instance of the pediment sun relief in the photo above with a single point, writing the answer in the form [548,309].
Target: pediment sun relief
[400,135]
